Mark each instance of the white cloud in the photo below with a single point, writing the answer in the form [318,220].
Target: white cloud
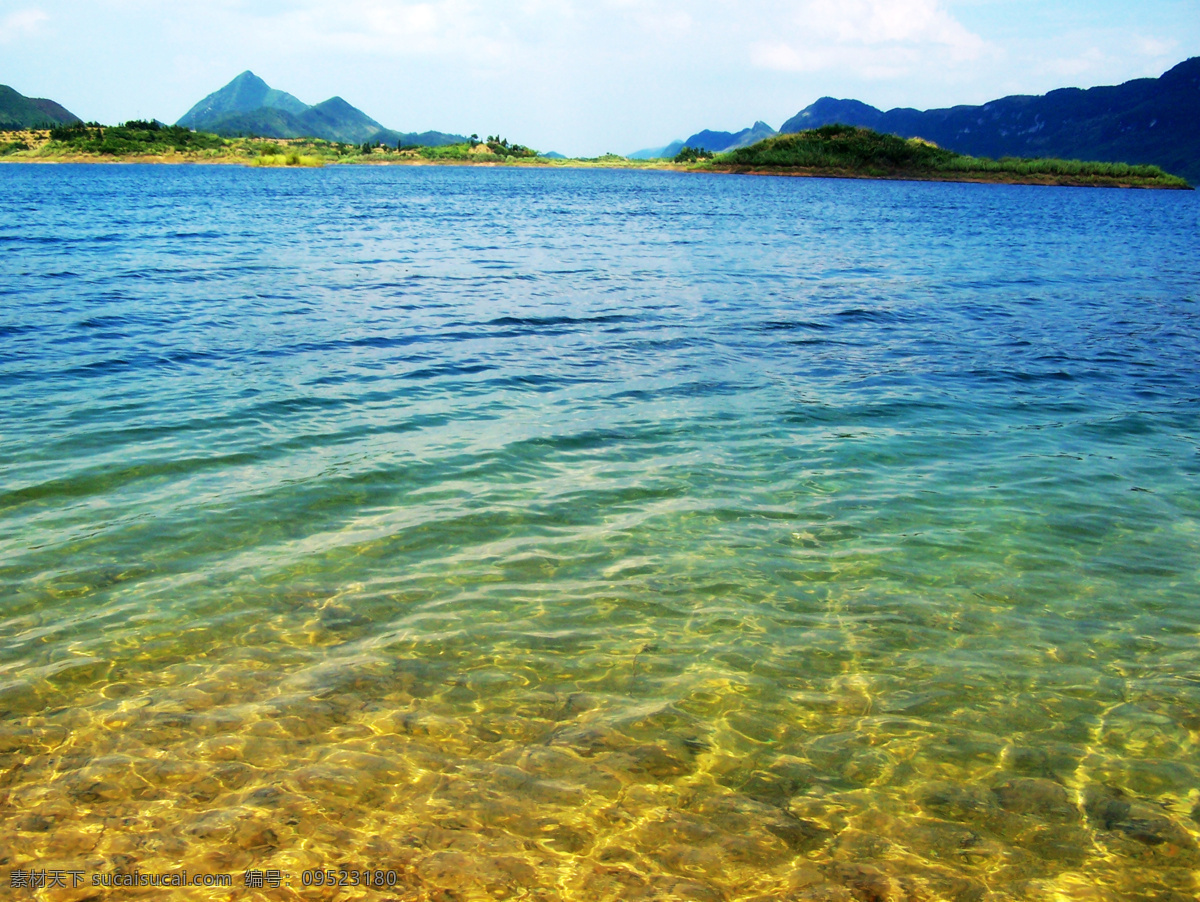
[1092,59]
[1156,47]
[373,27]
[873,38]
[21,24]
[886,21]
[863,62]
[584,76]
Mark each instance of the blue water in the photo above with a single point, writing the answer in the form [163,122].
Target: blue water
[601,534]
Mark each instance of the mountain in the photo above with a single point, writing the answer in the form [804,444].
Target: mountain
[718,142]
[249,106]
[245,94]
[262,123]
[1149,120]
[18,111]
[828,111]
[658,153]
[709,140]
[336,120]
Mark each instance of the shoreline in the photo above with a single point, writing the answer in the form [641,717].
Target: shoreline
[1046,181]
[1051,181]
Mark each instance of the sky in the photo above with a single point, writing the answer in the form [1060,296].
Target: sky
[582,77]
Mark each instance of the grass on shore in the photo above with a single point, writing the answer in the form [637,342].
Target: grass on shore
[834,150]
[152,141]
[287,159]
[844,149]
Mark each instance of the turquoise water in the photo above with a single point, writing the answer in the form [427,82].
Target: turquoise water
[600,535]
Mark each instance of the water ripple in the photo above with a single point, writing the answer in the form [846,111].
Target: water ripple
[603,535]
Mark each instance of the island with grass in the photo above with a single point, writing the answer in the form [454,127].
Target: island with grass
[845,151]
[832,151]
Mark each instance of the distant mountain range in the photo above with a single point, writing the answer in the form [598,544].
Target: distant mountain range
[657,153]
[249,106]
[717,142]
[1149,120]
[18,111]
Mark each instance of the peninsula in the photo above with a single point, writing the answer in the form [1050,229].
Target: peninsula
[1153,121]
[849,152]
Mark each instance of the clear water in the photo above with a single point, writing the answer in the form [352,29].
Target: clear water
[600,535]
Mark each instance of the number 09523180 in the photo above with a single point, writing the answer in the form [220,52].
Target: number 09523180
[343,877]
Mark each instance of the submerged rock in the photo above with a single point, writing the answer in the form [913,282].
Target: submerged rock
[1105,806]
[590,739]
[799,834]
[1153,831]
[1037,797]
[958,801]
[19,697]
[680,888]
[1067,844]
[1027,761]
[784,779]
[868,767]
[945,841]
[35,823]
[824,892]
[855,845]
[658,761]
[865,882]
[740,815]
[1139,830]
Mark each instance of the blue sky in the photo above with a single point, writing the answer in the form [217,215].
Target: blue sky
[582,76]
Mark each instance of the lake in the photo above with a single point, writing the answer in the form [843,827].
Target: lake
[605,535]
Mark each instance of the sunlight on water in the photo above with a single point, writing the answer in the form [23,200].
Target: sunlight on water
[605,536]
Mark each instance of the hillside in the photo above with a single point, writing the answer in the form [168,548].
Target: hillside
[18,111]
[839,151]
[143,141]
[719,142]
[1153,121]
[657,153]
[714,141]
[245,94]
[853,152]
[249,106]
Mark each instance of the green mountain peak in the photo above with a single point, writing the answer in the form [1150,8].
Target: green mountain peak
[245,94]
[249,106]
[18,111]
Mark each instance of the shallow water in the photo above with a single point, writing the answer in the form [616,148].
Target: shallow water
[599,535]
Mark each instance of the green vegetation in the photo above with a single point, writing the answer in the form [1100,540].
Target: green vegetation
[265,148]
[140,140]
[692,155]
[501,148]
[846,150]
[130,138]
[834,150]
[1147,120]
[460,153]
[493,150]
[19,112]
[249,107]
[291,158]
